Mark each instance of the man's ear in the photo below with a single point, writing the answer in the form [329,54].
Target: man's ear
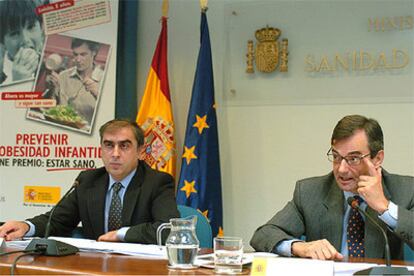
[141,150]
[378,159]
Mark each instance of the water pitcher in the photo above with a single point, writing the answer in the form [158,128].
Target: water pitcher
[182,243]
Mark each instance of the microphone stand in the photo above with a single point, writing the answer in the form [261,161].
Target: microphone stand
[378,270]
[53,247]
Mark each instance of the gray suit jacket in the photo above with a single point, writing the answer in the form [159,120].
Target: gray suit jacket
[317,211]
[148,202]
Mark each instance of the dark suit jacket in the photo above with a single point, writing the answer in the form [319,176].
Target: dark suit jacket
[317,211]
[148,202]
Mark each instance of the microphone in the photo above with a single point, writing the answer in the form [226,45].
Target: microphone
[53,247]
[388,269]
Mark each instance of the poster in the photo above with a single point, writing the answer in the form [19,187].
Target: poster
[57,86]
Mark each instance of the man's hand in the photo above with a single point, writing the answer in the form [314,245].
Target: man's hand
[91,86]
[109,237]
[370,187]
[12,230]
[52,81]
[25,63]
[319,250]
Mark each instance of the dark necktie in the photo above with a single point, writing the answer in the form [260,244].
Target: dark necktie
[355,232]
[115,210]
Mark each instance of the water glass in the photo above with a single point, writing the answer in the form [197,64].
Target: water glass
[228,255]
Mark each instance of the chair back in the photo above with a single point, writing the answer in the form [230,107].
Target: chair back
[78,233]
[203,228]
[408,253]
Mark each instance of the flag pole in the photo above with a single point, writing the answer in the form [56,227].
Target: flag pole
[203,5]
[164,8]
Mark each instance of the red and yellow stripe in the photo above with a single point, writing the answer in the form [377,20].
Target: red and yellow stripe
[156,101]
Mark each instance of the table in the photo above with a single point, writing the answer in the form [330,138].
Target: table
[109,264]
[93,264]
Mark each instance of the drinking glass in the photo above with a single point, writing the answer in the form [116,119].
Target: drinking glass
[228,255]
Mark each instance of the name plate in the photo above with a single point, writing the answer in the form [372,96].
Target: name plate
[291,266]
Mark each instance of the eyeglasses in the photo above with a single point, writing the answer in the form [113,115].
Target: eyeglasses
[109,146]
[352,160]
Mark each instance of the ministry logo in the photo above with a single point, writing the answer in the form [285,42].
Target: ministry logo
[269,51]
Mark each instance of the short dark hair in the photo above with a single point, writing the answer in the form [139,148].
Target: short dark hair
[77,42]
[14,15]
[116,124]
[347,126]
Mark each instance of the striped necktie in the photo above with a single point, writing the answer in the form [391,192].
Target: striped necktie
[115,210]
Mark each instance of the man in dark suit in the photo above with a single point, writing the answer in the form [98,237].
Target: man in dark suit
[319,208]
[146,196]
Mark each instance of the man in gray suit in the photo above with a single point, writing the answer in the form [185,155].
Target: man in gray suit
[146,196]
[319,208]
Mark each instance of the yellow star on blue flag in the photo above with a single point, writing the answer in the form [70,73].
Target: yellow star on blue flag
[188,188]
[201,123]
[189,154]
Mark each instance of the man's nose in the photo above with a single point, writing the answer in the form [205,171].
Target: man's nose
[78,59]
[115,152]
[343,166]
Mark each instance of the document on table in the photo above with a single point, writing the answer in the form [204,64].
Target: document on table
[300,266]
[291,266]
[345,268]
[133,249]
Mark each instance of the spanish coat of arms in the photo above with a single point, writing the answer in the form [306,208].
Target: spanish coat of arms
[159,142]
[268,52]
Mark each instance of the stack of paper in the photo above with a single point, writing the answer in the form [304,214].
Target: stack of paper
[133,249]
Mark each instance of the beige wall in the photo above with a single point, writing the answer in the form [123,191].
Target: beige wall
[264,147]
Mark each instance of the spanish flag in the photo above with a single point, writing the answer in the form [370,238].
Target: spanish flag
[155,112]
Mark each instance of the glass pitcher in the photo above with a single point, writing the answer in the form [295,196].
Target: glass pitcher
[182,243]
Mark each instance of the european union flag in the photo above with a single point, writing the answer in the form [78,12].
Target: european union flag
[200,178]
